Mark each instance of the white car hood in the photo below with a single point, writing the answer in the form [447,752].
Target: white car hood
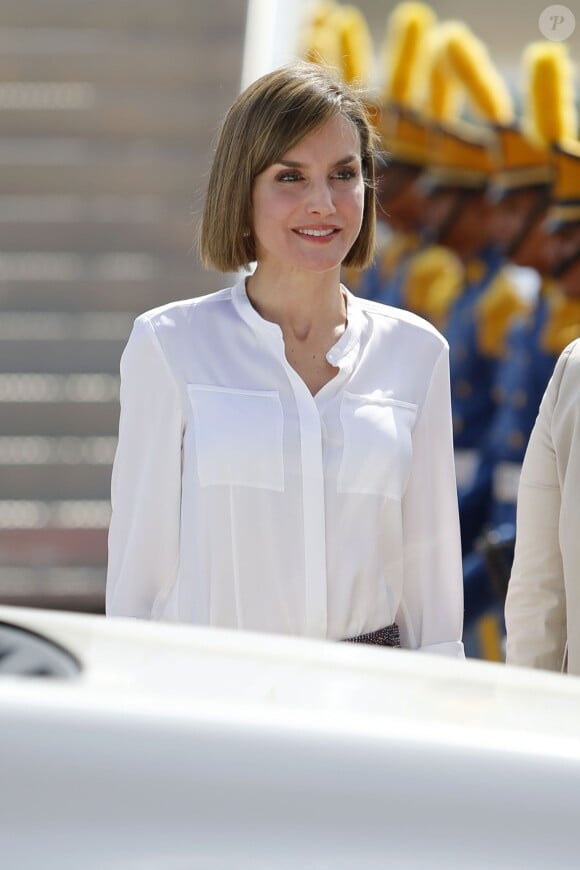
[188,747]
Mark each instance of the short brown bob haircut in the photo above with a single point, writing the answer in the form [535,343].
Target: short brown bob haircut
[268,119]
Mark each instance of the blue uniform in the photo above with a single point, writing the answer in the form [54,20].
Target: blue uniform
[475,328]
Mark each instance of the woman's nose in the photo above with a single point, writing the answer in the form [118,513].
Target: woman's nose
[320,198]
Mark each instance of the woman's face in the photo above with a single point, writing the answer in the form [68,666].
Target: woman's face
[308,207]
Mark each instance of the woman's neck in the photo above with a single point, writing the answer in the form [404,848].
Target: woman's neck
[299,304]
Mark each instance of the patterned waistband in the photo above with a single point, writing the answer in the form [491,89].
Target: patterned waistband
[388,636]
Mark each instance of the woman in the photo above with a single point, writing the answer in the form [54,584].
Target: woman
[285,457]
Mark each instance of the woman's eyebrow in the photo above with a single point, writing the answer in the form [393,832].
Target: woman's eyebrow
[296,164]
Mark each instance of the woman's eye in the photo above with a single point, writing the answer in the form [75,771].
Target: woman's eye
[345,174]
[340,175]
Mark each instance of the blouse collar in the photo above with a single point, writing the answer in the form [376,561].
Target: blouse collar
[343,354]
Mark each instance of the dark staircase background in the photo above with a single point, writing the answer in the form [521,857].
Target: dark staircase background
[108,111]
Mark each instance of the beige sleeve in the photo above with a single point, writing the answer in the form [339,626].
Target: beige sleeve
[536,603]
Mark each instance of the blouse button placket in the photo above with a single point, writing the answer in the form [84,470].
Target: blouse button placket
[313,510]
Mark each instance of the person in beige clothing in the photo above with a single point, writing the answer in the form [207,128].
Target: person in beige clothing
[543,600]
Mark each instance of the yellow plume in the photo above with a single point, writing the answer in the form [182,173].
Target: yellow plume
[322,12]
[468,59]
[320,42]
[403,56]
[549,110]
[355,45]
[442,94]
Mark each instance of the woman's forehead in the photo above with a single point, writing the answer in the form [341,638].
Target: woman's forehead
[336,137]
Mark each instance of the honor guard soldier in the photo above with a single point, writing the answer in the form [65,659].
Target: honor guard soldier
[430,275]
[522,187]
[460,215]
[410,271]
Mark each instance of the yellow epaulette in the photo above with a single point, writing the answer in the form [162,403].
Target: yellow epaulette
[496,310]
[562,324]
[434,279]
[352,278]
[396,249]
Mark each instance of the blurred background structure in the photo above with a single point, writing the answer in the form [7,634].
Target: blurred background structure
[108,112]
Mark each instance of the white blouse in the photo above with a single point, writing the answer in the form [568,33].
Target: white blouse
[242,501]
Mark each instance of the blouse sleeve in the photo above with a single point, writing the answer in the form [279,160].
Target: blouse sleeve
[146,481]
[431,613]
[535,605]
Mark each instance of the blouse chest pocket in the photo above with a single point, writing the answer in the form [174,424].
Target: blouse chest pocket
[238,436]
[377,444]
